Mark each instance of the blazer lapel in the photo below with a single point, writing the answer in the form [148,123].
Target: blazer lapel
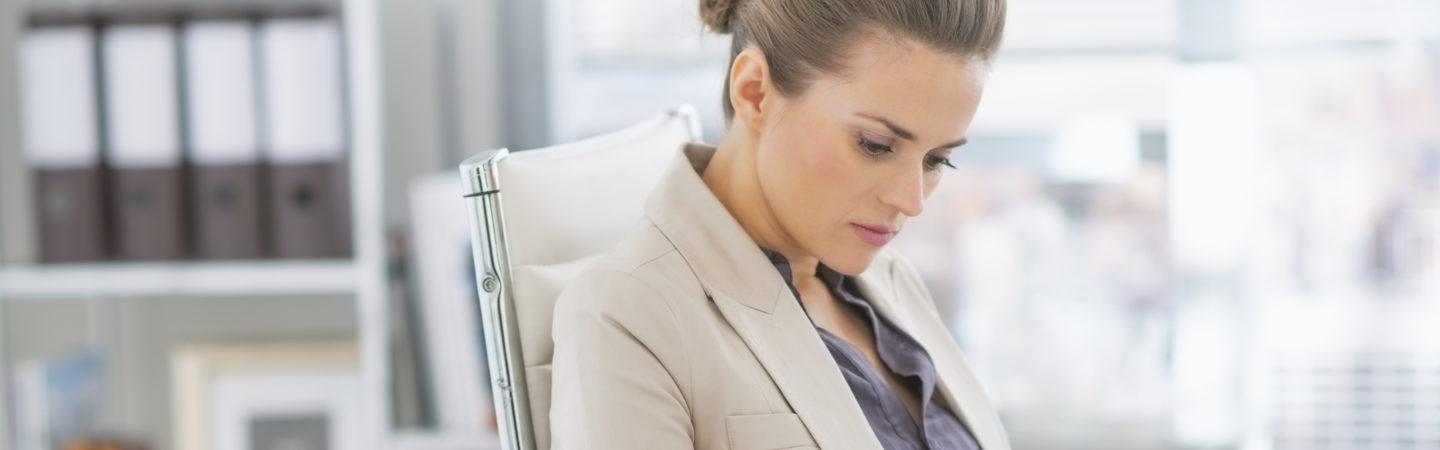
[961,390]
[752,297]
[787,345]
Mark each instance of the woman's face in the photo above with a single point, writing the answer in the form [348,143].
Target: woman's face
[847,162]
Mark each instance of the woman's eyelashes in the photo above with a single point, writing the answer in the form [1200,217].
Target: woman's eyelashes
[933,162]
[872,148]
[876,149]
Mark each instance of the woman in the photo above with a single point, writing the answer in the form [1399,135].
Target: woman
[758,307]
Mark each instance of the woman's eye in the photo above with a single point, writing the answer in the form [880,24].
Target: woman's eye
[934,162]
[873,148]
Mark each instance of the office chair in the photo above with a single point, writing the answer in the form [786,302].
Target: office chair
[536,218]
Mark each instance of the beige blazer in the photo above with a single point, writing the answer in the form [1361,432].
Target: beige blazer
[685,336]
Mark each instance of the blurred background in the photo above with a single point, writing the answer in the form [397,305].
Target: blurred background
[1180,224]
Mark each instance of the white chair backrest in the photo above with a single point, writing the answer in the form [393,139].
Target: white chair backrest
[537,217]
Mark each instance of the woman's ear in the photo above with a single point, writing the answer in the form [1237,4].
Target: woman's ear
[750,88]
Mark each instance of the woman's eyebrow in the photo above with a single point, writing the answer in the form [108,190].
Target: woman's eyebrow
[905,134]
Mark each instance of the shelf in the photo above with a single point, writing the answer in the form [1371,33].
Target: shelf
[164,13]
[201,279]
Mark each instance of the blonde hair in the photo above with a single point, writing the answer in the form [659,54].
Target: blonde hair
[802,38]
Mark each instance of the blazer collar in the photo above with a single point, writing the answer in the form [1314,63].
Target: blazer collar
[719,251]
[753,298]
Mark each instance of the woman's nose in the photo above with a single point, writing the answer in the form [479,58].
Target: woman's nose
[906,192]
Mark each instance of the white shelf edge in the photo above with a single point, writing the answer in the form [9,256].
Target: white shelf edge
[199,279]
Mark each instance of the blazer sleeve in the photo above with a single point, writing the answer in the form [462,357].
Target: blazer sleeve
[618,349]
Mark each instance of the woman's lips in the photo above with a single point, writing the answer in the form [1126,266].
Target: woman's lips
[876,235]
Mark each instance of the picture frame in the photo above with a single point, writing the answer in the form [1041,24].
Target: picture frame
[301,410]
[200,373]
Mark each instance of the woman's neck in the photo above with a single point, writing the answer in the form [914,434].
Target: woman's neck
[733,179]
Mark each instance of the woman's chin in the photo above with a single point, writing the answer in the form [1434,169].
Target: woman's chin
[854,261]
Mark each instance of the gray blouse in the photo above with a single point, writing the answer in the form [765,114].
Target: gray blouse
[903,356]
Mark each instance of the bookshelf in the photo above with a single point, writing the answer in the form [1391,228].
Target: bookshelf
[180,279]
[362,277]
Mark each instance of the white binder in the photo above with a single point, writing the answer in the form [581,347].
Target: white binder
[305,137]
[224,185]
[61,142]
[142,112]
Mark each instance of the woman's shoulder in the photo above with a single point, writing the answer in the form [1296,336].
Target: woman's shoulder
[643,268]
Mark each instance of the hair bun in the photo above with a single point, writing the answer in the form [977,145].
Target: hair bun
[717,13]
